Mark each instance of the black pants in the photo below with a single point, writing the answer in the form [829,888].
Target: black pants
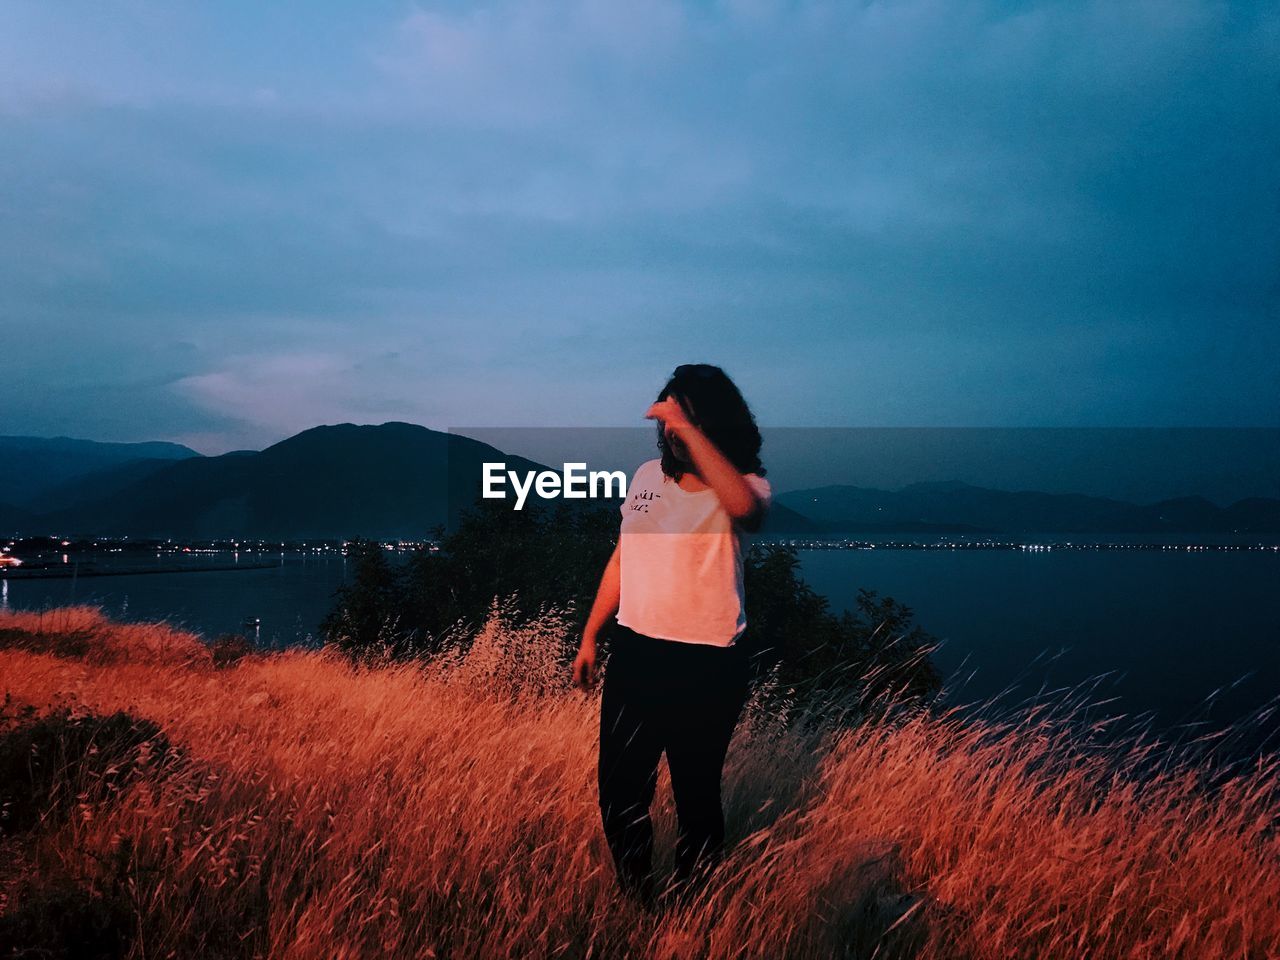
[684,698]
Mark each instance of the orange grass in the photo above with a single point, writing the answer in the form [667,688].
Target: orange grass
[449,810]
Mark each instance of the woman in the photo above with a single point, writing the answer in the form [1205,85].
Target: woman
[677,678]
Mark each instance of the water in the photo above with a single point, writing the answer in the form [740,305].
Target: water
[289,599]
[1169,627]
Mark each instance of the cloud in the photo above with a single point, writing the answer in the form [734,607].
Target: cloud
[1031,213]
[287,392]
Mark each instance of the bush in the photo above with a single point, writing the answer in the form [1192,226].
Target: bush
[545,559]
[850,663]
[48,762]
[68,644]
[229,649]
[62,921]
[536,560]
[366,613]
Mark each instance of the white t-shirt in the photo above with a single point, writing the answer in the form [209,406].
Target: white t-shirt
[681,560]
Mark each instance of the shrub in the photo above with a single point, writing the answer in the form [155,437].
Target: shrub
[229,649]
[68,644]
[48,762]
[536,560]
[366,612]
[545,560]
[63,921]
[834,665]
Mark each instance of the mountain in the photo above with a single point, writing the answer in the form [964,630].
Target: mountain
[15,520]
[400,480]
[953,507]
[1256,514]
[32,466]
[781,521]
[1134,465]
[95,485]
[389,480]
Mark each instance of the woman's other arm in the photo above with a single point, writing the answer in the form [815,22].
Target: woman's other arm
[604,607]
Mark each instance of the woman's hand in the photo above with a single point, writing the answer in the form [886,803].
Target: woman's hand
[584,666]
[671,412]
[715,469]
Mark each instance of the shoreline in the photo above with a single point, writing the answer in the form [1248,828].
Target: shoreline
[58,574]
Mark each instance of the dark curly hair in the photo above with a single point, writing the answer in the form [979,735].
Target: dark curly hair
[716,406]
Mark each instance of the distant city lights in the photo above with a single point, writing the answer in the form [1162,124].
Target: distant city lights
[62,555]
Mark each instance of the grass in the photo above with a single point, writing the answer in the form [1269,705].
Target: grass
[310,807]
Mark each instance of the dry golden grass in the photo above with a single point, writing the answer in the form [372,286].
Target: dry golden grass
[87,633]
[449,810]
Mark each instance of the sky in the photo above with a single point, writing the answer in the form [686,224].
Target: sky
[223,223]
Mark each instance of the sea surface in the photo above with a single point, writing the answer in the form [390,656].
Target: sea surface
[1189,636]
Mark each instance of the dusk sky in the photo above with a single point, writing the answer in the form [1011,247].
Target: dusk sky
[223,223]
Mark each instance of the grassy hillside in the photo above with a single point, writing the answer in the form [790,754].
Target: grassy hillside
[297,806]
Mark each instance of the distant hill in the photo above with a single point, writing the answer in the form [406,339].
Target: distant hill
[953,507]
[400,480]
[388,480]
[781,520]
[30,467]
[16,519]
[1134,465]
[96,485]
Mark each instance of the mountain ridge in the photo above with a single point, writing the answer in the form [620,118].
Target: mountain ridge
[962,507]
[399,479]
[381,480]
